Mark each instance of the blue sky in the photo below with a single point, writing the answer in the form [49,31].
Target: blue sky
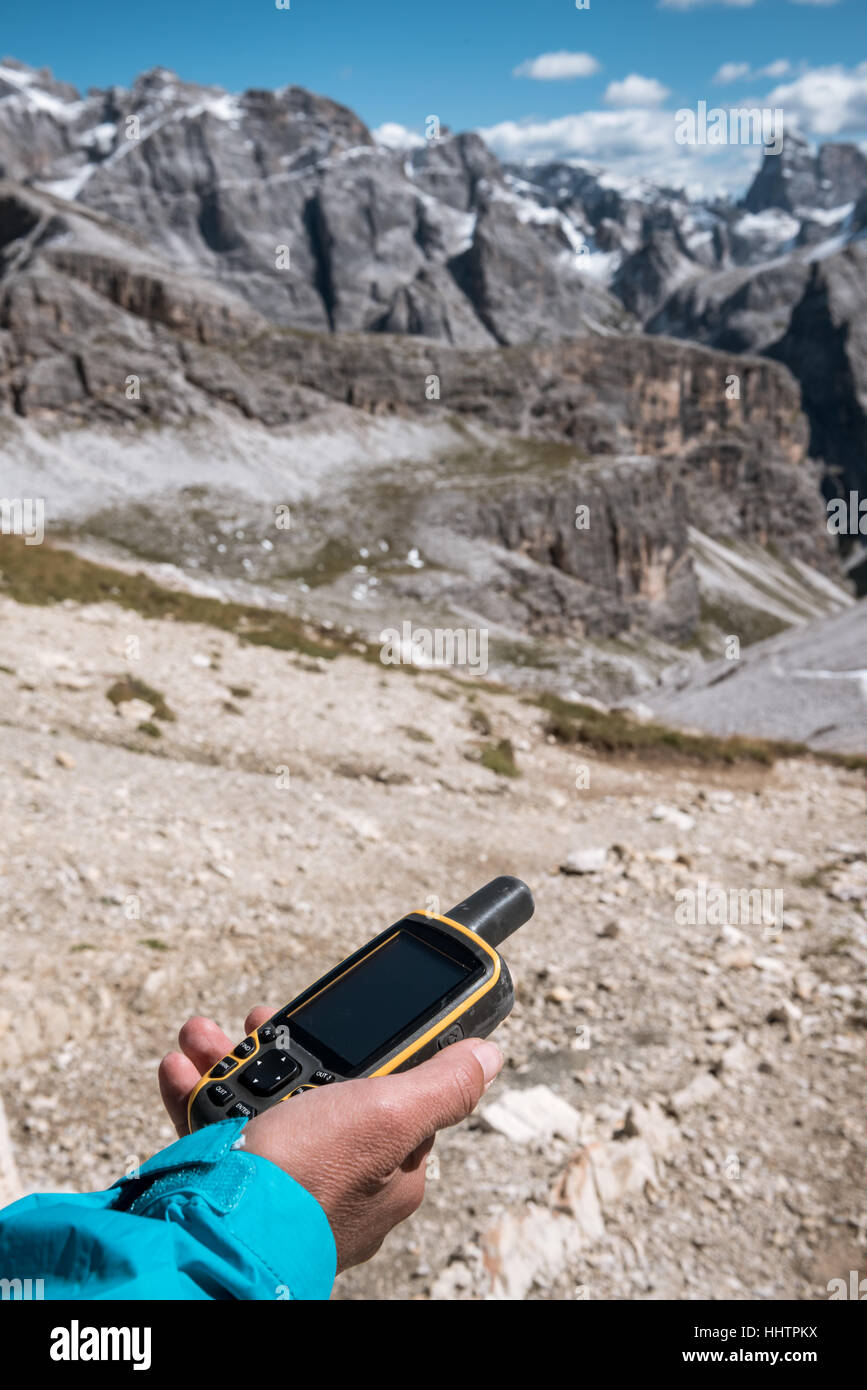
[599,83]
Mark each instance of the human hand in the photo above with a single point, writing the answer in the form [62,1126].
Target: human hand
[358,1147]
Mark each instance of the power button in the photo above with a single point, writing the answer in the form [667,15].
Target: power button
[451,1035]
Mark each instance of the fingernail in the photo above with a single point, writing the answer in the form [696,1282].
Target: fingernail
[491,1059]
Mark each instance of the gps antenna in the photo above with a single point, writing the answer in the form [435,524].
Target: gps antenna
[496,910]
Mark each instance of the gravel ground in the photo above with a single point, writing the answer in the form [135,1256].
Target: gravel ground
[293,807]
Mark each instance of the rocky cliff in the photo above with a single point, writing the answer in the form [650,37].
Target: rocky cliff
[645,432]
[428,241]
[805,305]
[427,291]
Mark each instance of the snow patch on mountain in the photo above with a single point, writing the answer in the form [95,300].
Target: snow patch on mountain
[69,188]
[773,226]
[529,210]
[100,138]
[827,217]
[25,88]
[224,107]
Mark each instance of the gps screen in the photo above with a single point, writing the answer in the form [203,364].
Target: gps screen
[366,1009]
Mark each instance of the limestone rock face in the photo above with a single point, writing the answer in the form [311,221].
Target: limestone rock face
[809,314]
[428,241]
[797,179]
[172,254]
[607,449]
[799,296]
[825,348]
[284,201]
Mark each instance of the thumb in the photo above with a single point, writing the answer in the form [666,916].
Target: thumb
[447,1088]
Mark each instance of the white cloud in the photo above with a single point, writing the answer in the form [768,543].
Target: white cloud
[557,67]
[778,69]
[730,72]
[639,143]
[735,72]
[636,148]
[636,91]
[825,101]
[395,136]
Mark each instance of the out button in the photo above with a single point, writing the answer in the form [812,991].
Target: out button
[220,1094]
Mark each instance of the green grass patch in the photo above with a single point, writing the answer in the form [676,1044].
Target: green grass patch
[481,722]
[610,732]
[500,758]
[852,762]
[131,688]
[45,574]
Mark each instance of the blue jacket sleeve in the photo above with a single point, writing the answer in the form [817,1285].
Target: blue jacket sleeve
[200,1220]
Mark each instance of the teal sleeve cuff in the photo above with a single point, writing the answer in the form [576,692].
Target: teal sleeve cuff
[251,1216]
[200,1220]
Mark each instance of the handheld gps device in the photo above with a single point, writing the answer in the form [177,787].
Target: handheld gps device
[416,987]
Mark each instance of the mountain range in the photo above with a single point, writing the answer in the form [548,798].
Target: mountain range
[435,359]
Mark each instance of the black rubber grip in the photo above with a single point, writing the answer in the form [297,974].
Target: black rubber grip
[496,910]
